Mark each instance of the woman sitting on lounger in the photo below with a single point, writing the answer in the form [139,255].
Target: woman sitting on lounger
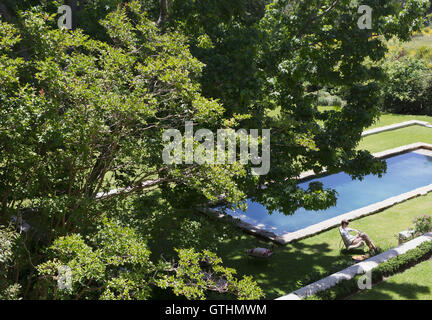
[353,240]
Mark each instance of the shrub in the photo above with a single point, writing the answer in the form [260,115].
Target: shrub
[422,225]
[8,239]
[326,99]
[408,86]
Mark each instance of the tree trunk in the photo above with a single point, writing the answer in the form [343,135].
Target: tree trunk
[163,13]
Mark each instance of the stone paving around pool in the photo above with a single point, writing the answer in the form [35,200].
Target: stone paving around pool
[333,222]
[397,126]
[359,268]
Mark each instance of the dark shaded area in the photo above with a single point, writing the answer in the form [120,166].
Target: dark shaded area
[406,290]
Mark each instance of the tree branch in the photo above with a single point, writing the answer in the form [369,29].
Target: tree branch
[308,24]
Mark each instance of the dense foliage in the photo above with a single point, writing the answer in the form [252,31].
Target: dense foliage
[408,89]
[83,113]
[82,117]
[8,289]
[422,225]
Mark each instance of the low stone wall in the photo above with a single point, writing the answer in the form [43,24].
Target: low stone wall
[397,126]
[404,236]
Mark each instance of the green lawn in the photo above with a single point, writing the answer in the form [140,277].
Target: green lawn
[279,274]
[396,138]
[390,118]
[413,284]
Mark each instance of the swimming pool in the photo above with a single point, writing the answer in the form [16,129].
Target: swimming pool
[405,173]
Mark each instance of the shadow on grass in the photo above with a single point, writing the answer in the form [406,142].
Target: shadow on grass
[350,253]
[280,274]
[384,290]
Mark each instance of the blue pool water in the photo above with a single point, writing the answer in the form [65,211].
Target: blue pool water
[405,173]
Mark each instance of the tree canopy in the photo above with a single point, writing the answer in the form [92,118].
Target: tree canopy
[83,113]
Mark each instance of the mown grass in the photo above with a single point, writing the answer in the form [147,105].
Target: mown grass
[396,138]
[413,284]
[279,274]
[390,118]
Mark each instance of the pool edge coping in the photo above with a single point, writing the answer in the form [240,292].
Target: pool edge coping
[396,126]
[333,222]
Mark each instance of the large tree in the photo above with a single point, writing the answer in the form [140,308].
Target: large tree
[82,123]
[264,55]
[83,111]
